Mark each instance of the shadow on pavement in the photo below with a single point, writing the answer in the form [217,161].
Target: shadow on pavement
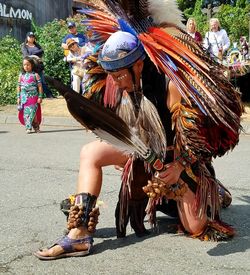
[61,130]
[239,215]
[165,225]
[112,244]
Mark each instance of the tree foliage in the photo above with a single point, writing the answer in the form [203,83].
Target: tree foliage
[216,3]
[232,14]
[233,17]
[185,5]
[10,65]
[50,38]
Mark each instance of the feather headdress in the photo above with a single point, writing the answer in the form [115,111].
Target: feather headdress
[163,11]
[208,123]
[199,79]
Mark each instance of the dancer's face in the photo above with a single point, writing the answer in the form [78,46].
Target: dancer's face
[123,78]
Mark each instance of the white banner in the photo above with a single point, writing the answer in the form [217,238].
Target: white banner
[14,13]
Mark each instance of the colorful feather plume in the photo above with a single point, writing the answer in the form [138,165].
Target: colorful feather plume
[200,80]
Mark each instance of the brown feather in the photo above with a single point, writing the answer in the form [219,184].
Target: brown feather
[103,122]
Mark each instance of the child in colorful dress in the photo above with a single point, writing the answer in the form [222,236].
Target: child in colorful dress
[29,96]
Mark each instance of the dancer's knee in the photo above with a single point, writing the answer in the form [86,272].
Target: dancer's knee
[86,152]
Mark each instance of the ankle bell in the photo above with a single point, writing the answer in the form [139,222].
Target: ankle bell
[83,212]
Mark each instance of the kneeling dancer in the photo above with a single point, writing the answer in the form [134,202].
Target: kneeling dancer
[182,113]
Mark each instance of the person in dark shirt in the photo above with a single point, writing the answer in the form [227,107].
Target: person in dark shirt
[31,48]
[78,37]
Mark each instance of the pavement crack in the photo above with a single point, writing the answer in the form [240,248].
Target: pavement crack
[5,269]
[34,207]
[59,169]
[17,258]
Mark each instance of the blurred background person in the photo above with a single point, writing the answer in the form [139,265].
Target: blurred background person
[29,96]
[73,34]
[75,59]
[244,47]
[191,28]
[216,40]
[31,48]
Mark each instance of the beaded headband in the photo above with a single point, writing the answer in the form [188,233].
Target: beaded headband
[120,51]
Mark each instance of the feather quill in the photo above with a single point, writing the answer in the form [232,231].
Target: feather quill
[103,122]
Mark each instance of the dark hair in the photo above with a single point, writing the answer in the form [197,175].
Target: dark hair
[31,61]
[35,43]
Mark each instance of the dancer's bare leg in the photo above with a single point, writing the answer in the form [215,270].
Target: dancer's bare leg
[93,157]
[191,221]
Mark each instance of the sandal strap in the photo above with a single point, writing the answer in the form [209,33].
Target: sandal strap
[67,243]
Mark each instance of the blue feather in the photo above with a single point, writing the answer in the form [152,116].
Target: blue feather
[85,11]
[171,63]
[124,26]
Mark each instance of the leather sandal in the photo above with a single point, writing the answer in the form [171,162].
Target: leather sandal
[69,251]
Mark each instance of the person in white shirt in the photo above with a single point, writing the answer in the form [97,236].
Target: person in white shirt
[76,64]
[216,40]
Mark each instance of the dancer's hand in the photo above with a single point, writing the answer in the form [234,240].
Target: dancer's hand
[171,174]
[40,100]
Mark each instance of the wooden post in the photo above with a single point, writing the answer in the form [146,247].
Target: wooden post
[209,11]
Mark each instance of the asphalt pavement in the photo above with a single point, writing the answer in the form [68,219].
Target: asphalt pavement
[37,171]
[56,114]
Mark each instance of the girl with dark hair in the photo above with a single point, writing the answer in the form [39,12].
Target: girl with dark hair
[29,96]
[31,48]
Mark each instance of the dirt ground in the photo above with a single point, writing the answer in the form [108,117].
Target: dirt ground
[55,107]
[58,108]
[50,107]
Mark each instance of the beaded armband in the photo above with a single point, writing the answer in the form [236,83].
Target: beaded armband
[157,189]
[40,95]
[185,158]
[18,95]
